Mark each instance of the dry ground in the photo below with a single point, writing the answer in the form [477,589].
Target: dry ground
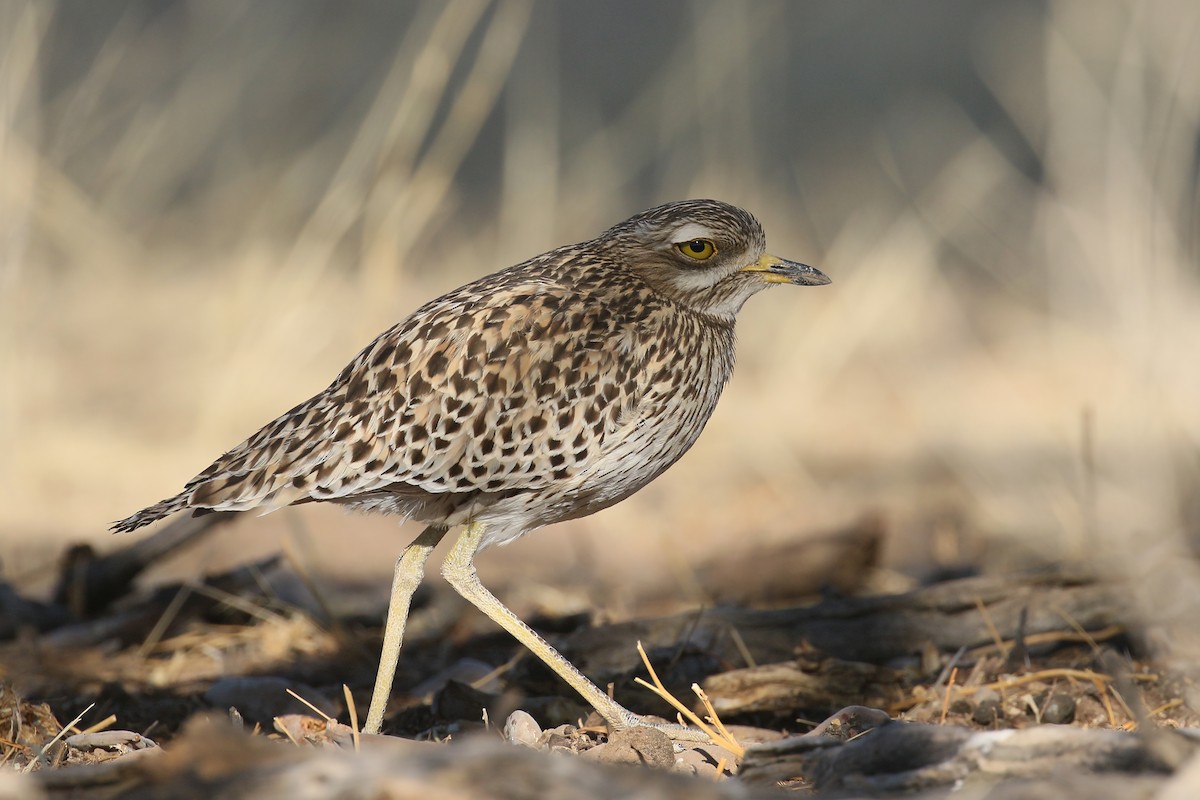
[206,210]
[275,650]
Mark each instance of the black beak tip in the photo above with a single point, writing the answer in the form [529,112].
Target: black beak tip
[810,276]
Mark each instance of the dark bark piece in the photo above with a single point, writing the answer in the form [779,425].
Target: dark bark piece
[811,682]
[18,613]
[902,757]
[875,629]
[133,625]
[88,582]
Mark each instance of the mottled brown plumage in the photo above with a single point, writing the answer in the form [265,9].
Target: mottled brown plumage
[540,393]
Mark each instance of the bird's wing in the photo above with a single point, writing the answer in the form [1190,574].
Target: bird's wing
[504,389]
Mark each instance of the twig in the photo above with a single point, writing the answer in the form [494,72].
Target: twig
[233,601]
[1111,630]
[101,725]
[1057,672]
[44,748]
[714,719]
[353,709]
[657,687]
[319,712]
[1120,699]
[686,639]
[1053,637]
[1103,690]
[484,680]
[1167,706]
[742,649]
[951,666]
[164,621]
[946,700]
[991,626]
[300,567]
[279,726]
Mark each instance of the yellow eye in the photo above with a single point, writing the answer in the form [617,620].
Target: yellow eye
[697,249]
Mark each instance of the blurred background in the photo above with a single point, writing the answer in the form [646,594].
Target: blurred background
[207,208]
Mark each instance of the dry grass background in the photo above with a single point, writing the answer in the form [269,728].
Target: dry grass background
[207,208]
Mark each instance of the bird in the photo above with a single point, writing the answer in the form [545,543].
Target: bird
[537,394]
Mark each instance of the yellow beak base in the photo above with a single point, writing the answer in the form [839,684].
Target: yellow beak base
[779,270]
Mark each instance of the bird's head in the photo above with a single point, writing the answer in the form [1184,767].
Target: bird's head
[704,254]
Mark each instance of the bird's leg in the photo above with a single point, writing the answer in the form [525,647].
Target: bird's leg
[410,568]
[459,571]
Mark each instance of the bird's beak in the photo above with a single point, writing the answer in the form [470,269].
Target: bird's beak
[778,270]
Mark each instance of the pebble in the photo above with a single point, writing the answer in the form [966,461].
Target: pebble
[521,728]
[640,745]
[115,741]
[987,712]
[1060,708]
[560,739]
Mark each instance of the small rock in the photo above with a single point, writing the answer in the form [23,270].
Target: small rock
[987,712]
[563,739]
[557,743]
[113,741]
[1060,708]
[521,728]
[640,745]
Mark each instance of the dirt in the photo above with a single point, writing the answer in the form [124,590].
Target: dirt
[143,667]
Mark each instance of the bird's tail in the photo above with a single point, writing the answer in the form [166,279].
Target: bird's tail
[152,513]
